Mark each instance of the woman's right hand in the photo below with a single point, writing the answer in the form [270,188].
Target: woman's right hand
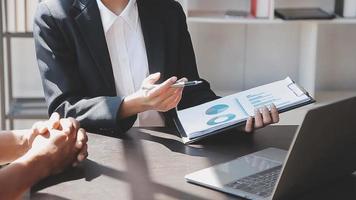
[161,97]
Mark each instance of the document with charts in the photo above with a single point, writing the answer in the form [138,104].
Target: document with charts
[233,110]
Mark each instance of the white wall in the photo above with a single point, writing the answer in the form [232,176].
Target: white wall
[337,58]
[235,57]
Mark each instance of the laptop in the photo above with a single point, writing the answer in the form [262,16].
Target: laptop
[322,150]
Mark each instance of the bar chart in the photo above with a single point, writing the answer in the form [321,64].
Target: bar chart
[265,99]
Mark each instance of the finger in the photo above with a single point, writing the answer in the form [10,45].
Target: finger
[75,123]
[249,125]
[58,136]
[54,121]
[173,104]
[177,100]
[165,105]
[82,138]
[258,119]
[152,79]
[67,126]
[162,87]
[183,80]
[274,113]
[170,102]
[157,102]
[180,90]
[169,93]
[267,119]
[40,128]
[83,153]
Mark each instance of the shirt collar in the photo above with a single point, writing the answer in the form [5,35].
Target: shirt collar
[129,15]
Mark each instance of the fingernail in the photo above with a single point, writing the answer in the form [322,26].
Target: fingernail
[271,106]
[173,79]
[43,129]
[79,145]
[182,80]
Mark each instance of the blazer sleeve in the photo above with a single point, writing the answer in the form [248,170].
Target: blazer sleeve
[62,85]
[187,67]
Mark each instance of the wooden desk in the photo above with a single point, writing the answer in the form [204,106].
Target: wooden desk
[151,164]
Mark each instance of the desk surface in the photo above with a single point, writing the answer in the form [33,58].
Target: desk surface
[151,164]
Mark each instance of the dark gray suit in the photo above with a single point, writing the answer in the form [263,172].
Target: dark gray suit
[75,66]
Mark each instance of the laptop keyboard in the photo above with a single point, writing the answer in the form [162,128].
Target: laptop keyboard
[261,184]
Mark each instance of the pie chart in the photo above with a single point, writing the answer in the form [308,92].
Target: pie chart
[217,109]
[221,119]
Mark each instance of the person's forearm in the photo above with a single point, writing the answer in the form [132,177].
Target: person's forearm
[13,144]
[20,175]
[130,106]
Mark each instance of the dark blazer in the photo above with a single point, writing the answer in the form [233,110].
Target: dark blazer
[75,66]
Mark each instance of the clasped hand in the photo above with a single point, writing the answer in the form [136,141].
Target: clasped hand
[60,142]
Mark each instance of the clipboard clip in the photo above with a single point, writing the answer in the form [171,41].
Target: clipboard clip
[297,90]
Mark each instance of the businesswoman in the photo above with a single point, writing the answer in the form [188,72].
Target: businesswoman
[95,56]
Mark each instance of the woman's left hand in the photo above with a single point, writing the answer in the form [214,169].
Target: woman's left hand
[263,117]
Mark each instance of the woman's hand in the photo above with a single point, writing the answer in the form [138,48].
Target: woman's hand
[161,97]
[263,117]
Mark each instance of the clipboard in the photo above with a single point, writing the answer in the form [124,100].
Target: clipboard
[294,87]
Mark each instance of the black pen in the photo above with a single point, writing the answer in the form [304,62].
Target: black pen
[177,85]
[186,84]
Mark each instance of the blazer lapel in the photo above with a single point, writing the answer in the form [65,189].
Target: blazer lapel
[90,26]
[153,33]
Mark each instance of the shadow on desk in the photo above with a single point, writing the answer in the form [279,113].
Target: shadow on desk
[47,196]
[71,174]
[170,138]
[204,148]
[90,170]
